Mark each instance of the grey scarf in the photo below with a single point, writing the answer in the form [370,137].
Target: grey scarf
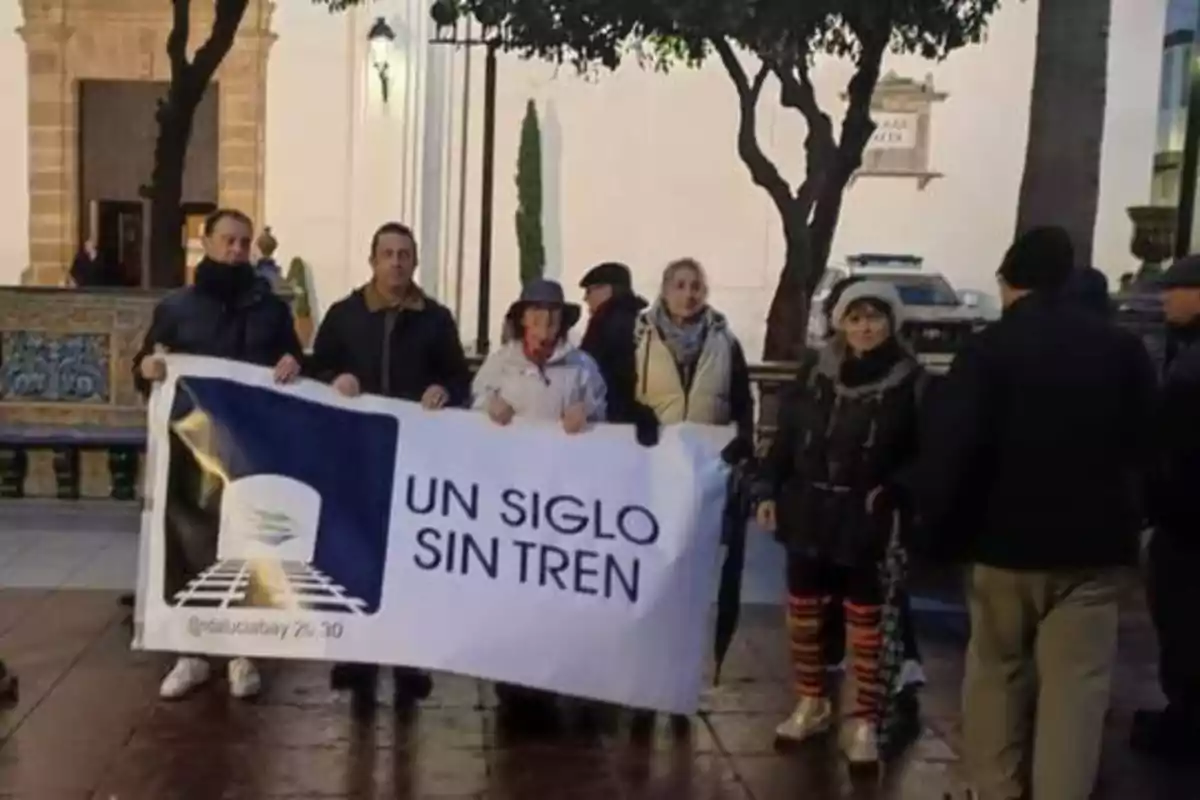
[685,341]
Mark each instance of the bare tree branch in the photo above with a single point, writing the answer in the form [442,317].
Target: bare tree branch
[220,40]
[762,171]
[857,129]
[857,126]
[820,147]
[177,40]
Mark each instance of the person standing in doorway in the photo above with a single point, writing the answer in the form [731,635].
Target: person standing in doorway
[1029,472]
[389,338]
[1173,733]
[229,312]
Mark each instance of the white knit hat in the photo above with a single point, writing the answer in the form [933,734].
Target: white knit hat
[878,291]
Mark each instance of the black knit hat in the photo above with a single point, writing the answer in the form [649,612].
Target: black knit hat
[1088,287]
[1041,259]
[610,273]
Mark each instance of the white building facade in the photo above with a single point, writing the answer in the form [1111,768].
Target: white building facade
[638,166]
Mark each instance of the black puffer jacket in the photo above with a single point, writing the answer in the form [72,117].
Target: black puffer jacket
[845,429]
[252,324]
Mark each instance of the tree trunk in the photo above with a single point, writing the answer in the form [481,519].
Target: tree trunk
[1061,183]
[167,262]
[787,319]
[176,113]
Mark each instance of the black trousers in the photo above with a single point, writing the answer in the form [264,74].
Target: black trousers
[1173,592]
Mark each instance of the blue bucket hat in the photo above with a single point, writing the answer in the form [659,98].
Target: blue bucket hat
[545,293]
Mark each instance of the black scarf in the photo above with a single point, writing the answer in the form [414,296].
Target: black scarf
[226,282]
[871,366]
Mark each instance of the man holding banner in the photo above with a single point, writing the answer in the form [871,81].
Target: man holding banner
[229,312]
[389,338]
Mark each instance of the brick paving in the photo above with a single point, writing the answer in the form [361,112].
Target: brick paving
[89,726]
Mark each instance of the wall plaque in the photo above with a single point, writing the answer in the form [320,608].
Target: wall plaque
[902,109]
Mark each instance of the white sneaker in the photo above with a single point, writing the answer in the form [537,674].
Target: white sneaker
[812,716]
[244,680]
[859,742]
[188,673]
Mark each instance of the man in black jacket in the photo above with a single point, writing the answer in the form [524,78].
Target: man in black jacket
[389,338]
[1174,551]
[1030,473]
[229,312]
[613,308]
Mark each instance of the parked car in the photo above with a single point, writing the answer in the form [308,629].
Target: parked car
[938,319]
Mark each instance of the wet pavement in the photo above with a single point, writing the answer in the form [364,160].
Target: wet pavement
[89,725]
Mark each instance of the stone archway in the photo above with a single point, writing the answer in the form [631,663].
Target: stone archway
[67,41]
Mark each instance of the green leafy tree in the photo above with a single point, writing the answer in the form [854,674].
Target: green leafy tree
[783,37]
[529,198]
[190,79]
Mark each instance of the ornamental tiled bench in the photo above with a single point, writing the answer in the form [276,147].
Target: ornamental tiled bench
[123,446]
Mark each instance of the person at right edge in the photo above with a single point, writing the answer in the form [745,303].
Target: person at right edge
[1173,733]
[389,338]
[1029,471]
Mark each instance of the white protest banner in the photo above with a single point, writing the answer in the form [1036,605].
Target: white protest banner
[289,522]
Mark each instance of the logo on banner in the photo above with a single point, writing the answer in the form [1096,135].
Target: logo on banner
[267,553]
[293,528]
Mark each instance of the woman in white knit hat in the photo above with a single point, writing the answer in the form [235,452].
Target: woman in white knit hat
[847,430]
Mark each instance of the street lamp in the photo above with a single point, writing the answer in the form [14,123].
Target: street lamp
[381,39]
[445,15]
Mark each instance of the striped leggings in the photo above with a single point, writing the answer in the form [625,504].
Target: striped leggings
[814,584]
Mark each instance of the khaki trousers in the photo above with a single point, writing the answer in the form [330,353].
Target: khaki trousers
[1038,675]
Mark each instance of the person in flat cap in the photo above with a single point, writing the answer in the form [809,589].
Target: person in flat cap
[613,309]
[539,374]
[1173,732]
[1028,473]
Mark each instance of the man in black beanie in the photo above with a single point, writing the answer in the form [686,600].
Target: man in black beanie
[1029,473]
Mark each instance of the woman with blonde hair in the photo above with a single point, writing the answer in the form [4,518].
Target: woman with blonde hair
[691,368]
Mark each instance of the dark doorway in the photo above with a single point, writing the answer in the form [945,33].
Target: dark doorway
[117,132]
[120,238]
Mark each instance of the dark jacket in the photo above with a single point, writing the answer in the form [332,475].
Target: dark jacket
[1032,455]
[1175,476]
[609,340]
[395,352]
[255,326]
[844,430]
